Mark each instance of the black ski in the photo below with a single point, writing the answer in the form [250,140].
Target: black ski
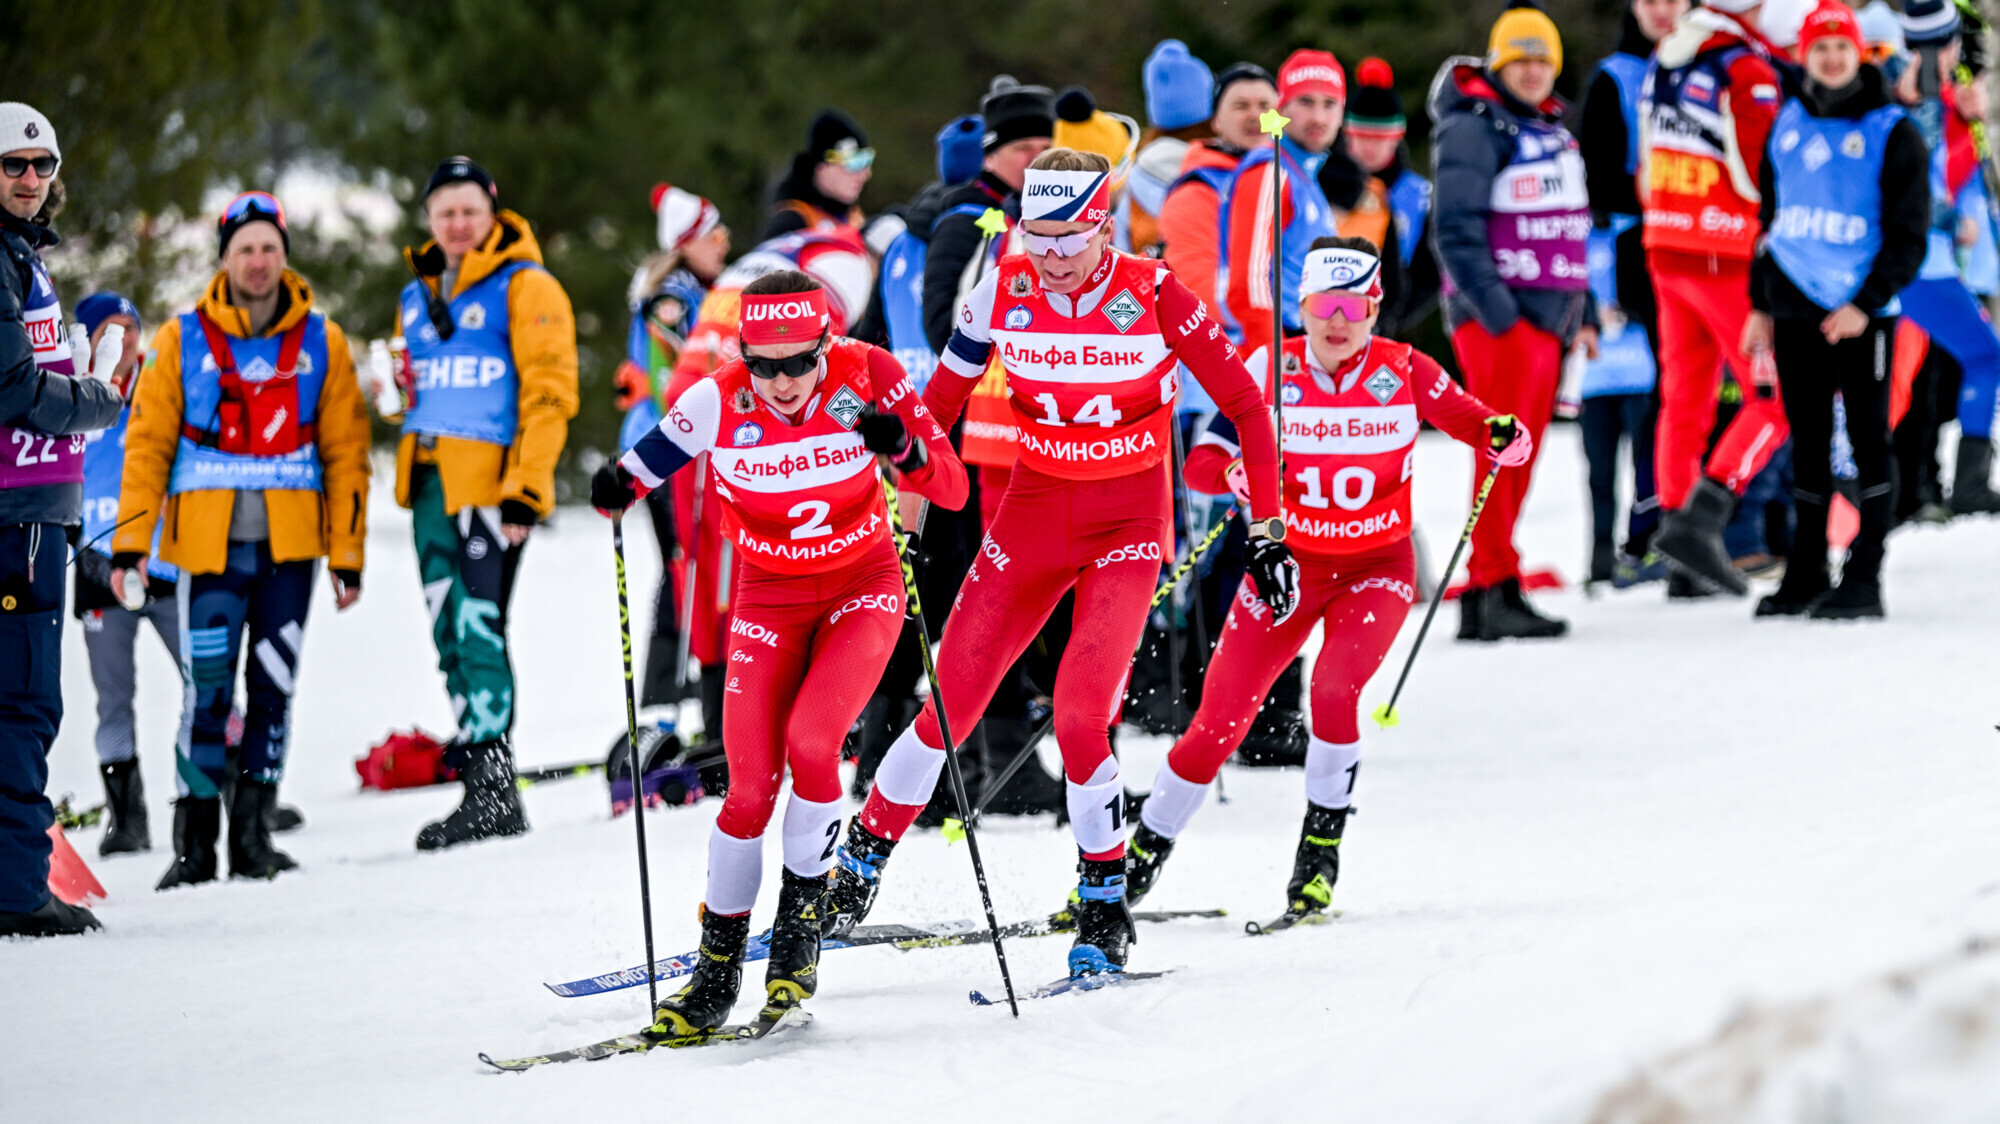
[1068,984]
[769,1021]
[1290,920]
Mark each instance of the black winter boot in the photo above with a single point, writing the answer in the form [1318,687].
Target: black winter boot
[1691,538]
[1603,561]
[1805,568]
[1145,855]
[1472,613]
[1104,928]
[251,854]
[857,878]
[53,918]
[1509,616]
[492,803]
[197,825]
[1316,866]
[1853,600]
[1972,484]
[711,990]
[794,972]
[125,801]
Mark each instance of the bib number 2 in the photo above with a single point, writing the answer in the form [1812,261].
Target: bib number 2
[812,514]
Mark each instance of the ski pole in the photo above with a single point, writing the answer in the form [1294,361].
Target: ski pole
[687,595]
[916,609]
[632,751]
[1274,123]
[1385,715]
[953,828]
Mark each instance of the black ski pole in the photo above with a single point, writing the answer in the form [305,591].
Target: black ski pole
[944,730]
[1385,715]
[632,752]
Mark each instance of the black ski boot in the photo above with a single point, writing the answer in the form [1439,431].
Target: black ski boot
[1852,600]
[1316,867]
[1104,928]
[1144,856]
[492,803]
[125,802]
[794,972]
[857,877]
[251,854]
[1509,616]
[1972,484]
[1472,613]
[197,825]
[711,990]
[53,918]
[1691,538]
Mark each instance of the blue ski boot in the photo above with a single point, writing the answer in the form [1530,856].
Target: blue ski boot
[857,877]
[1104,928]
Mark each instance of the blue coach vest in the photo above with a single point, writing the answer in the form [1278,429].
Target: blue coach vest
[103,475]
[1410,203]
[1628,74]
[200,467]
[1312,217]
[467,386]
[1828,176]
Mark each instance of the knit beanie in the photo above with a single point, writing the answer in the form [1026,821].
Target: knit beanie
[1238,72]
[830,130]
[1086,128]
[1015,112]
[1375,106]
[461,169]
[23,126]
[96,308]
[1524,31]
[1880,25]
[1178,87]
[1929,22]
[958,151]
[1311,72]
[1831,20]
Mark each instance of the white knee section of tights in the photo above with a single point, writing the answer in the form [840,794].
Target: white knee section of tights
[1097,809]
[1173,802]
[1330,772]
[812,835]
[735,868]
[909,771]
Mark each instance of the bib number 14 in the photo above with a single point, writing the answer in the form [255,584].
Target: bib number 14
[1097,411]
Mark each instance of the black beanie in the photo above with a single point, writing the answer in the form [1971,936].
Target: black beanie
[461,169]
[1238,72]
[1015,112]
[828,130]
[1373,105]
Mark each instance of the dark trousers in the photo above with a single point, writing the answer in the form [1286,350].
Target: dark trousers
[268,600]
[1606,420]
[1810,372]
[31,605]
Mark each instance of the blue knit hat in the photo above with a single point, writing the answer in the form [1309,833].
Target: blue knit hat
[1929,21]
[959,155]
[1178,86]
[99,307]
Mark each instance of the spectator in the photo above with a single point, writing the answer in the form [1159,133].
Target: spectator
[1398,201]
[824,183]
[1179,92]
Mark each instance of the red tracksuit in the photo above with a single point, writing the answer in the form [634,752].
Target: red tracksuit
[1091,383]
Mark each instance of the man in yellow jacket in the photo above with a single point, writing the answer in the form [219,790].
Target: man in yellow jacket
[492,346]
[248,447]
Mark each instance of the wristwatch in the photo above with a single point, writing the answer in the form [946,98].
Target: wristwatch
[1272,528]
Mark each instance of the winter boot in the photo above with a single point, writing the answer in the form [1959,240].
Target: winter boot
[1683,586]
[251,854]
[1316,867]
[794,972]
[857,877]
[53,918]
[1691,538]
[1853,600]
[1603,561]
[1508,616]
[492,803]
[1145,855]
[1104,928]
[1639,569]
[1472,613]
[125,800]
[711,989]
[283,818]
[197,824]
[1972,485]
[1805,570]
[1795,595]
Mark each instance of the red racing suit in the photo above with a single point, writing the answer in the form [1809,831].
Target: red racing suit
[1091,378]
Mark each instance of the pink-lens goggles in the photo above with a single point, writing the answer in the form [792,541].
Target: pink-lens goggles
[1355,307]
[1062,246]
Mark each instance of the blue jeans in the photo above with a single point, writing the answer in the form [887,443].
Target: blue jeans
[1952,316]
[270,600]
[1604,420]
[31,606]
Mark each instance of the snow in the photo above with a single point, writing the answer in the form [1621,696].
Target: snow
[1622,877]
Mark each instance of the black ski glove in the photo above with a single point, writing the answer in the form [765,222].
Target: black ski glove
[1276,575]
[518,513]
[612,490]
[885,434]
[349,578]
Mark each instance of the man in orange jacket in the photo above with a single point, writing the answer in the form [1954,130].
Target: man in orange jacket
[248,445]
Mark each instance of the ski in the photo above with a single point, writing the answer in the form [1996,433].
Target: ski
[943,934]
[770,1021]
[1068,984]
[1290,920]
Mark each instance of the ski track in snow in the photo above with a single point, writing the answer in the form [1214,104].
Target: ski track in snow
[1574,864]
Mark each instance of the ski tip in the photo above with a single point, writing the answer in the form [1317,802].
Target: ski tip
[1386,718]
[979,1000]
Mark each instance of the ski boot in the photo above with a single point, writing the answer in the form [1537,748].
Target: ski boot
[125,799]
[53,918]
[1316,867]
[704,1003]
[251,854]
[1104,927]
[794,972]
[1144,856]
[857,877]
[492,803]
[1854,599]
[1472,612]
[197,824]
[1509,616]
[1691,538]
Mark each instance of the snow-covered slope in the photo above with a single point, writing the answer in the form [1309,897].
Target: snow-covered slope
[1575,864]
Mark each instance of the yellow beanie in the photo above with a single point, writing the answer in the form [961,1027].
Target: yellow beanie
[1524,33]
[1086,128]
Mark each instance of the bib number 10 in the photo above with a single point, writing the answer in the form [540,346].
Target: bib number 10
[1353,487]
[1097,411]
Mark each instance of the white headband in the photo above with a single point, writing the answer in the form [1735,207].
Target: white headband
[1353,271]
[1066,196]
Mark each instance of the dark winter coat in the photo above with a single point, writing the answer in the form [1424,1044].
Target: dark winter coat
[953,243]
[1605,136]
[794,200]
[1477,120]
[31,398]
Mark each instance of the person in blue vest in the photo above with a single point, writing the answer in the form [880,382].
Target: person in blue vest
[492,342]
[247,450]
[46,406]
[110,630]
[1619,388]
[895,317]
[1376,137]
[1845,206]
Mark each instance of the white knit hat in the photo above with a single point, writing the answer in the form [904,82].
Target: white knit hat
[23,126]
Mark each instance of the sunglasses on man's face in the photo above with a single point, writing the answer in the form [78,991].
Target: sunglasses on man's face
[14,167]
[1353,306]
[792,366]
[1062,246]
[853,159]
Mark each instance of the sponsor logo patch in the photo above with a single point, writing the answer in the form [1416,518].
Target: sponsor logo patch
[845,407]
[1383,385]
[1123,310]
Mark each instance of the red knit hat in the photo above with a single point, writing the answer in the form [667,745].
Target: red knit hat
[1311,72]
[1831,18]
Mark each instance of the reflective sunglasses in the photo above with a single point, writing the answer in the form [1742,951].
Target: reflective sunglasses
[1354,306]
[1062,246]
[14,167]
[253,202]
[792,367]
[852,159]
